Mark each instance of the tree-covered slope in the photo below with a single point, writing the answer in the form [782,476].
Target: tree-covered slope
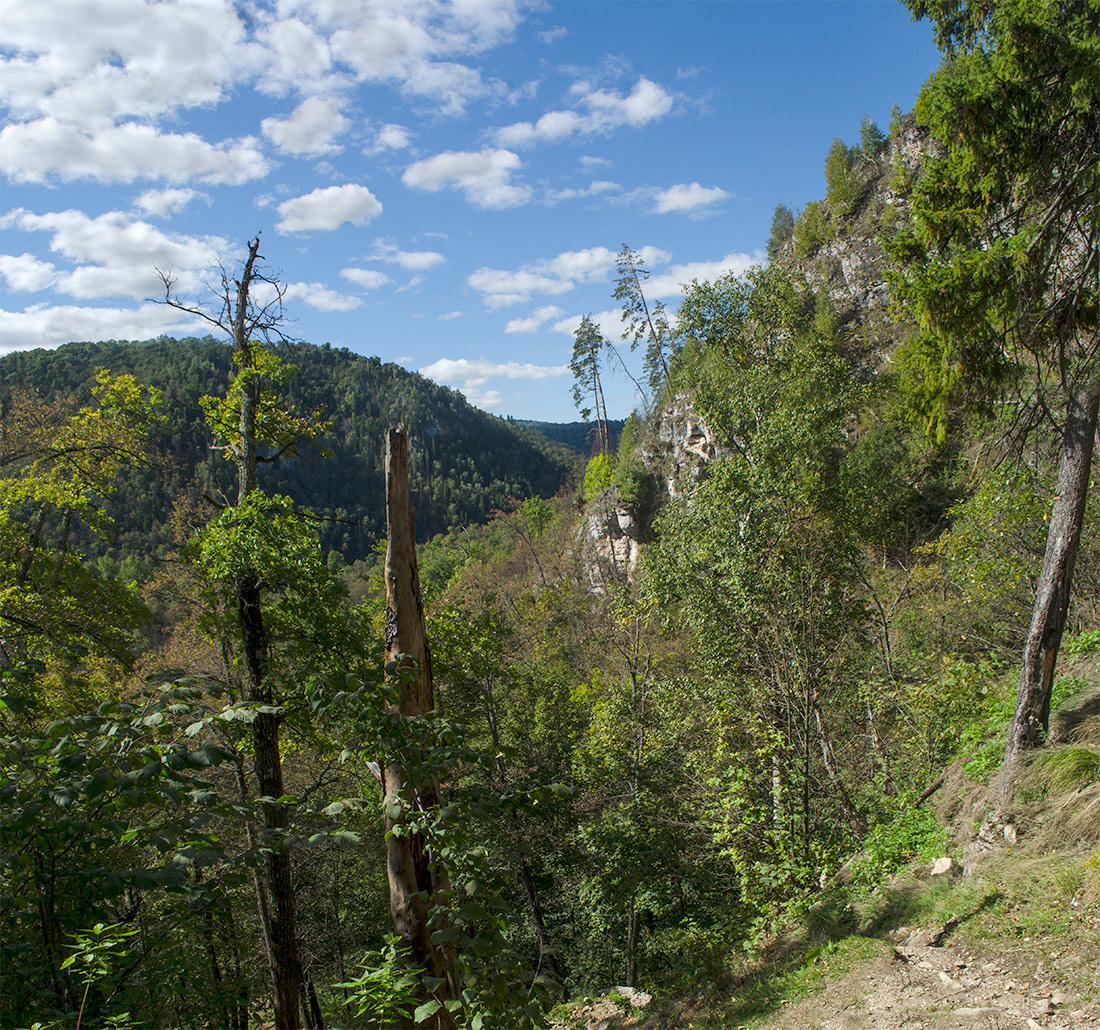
[465,463]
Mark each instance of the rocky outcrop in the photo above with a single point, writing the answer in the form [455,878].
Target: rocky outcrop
[610,543]
[681,447]
[675,456]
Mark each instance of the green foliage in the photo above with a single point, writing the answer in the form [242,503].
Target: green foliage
[1086,642]
[588,346]
[1068,768]
[872,140]
[262,372]
[781,231]
[894,128]
[645,321]
[599,474]
[843,188]
[452,483]
[985,269]
[57,469]
[914,834]
[387,989]
[812,230]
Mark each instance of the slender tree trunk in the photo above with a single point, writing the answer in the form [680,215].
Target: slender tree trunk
[286,968]
[632,943]
[415,877]
[828,756]
[546,950]
[281,925]
[1032,715]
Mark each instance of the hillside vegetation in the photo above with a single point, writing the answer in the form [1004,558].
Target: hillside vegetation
[701,724]
[466,464]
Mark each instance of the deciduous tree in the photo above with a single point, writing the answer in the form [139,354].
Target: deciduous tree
[1001,263]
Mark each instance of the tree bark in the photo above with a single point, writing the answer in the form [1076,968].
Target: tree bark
[415,878]
[1031,717]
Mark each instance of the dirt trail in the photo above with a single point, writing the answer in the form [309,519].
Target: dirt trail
[917,984]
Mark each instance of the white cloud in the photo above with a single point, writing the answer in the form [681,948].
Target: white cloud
[554,34]
[165,203]
[414,45]
[609,323]
[500,288]
[535,320]
[685,198]
[117,255]
[311,129]
[590,163]
[410,260]
[479,371]
[45,326]
[319,297]
[93,63]
[367,278]
[328,208]
[39,150]
[26,272]
[483,176]
[392,137]
[298,57]
[607,110]
[452,315]
[552,276]
[484,399]
[671,283]
[591,190]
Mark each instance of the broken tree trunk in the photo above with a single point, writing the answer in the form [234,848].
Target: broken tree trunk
[415,878]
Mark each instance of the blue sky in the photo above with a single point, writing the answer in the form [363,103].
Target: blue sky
[443,184]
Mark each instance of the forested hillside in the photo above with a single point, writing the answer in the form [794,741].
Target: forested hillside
[828,611]
[465,464]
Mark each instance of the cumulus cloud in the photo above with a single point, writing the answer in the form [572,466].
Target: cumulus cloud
[551,276]
[602,111]
[410,260]
[471,376]
[671,282]
[165,203]
[415,46]
[328,208]
[319,297]
[500,288]
[97,63]
[610,323]
[26,273]
[483,176]
[116,255]
[298,56]
[367,278]
[46,326]
[45,148]
[687,198]
[392,137]
[310,130]
[534,321]
[451,315]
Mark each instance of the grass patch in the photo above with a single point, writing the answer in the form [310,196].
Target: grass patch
[773,986]
[1069,768]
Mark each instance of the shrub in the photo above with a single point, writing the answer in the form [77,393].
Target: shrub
[812,230]
[914,834]
[842,186]
[598,476]
[782,230]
